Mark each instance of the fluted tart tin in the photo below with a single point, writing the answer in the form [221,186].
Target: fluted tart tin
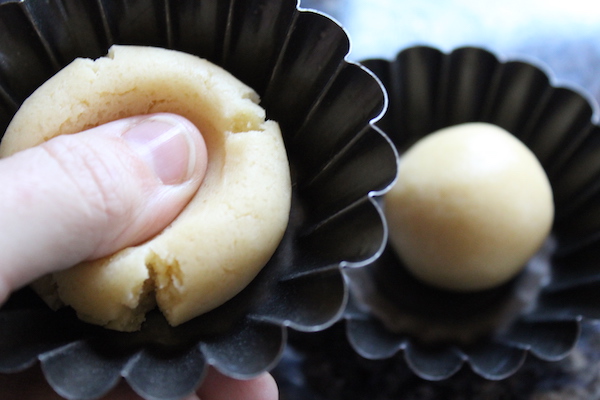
[340,162]
[437,332]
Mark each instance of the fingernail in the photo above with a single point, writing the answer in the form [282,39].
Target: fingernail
[165,143]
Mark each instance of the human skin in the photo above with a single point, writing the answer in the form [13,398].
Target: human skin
[84,196]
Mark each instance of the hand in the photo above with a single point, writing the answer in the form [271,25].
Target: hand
[31,385]
[84,196]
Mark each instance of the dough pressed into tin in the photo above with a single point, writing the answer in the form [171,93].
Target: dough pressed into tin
[228,231]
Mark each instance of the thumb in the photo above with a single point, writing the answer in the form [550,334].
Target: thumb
[84,196]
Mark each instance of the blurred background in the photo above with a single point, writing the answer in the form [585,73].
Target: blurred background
[560,36]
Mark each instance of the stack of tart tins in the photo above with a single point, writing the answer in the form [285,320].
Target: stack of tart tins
[392,314]
[341,164]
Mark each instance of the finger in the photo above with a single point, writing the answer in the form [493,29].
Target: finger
[217,386]
[84,196]
[31,385]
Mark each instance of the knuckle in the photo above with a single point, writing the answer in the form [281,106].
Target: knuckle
[94,176]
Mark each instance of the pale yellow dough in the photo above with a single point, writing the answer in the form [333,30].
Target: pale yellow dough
[228,231]
[471,205]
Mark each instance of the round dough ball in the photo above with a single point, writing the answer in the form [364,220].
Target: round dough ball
[228,231]
[471,205]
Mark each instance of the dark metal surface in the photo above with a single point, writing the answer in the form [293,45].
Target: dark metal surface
[531,68]
[561,35]
[325,112]
[340,164]
[430,90]
[336,372]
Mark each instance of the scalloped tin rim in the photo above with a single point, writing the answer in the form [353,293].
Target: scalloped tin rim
[404,341]
[371,197]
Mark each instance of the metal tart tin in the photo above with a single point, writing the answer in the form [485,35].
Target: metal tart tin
[539,312]
[340,161]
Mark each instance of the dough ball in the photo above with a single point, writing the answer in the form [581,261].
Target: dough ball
[471,205]
[230,228]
